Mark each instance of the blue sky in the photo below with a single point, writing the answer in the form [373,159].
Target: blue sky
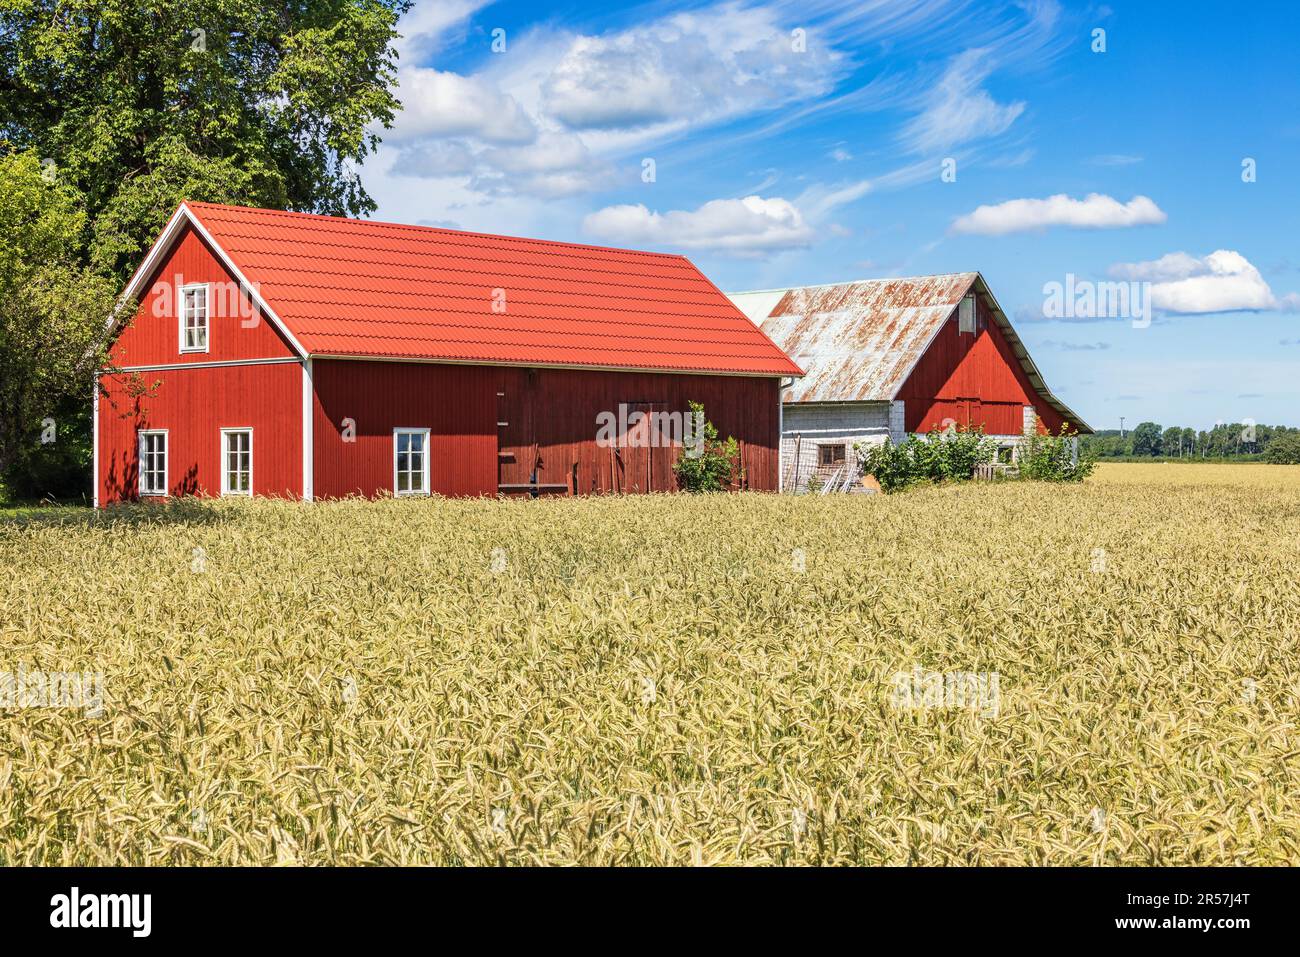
[795,143]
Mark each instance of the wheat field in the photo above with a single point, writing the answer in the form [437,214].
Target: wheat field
[666,680]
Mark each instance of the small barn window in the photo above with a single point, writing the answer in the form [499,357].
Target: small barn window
[830,455]
[236,461]
[410,461]
[153,462]
[194,318]
[966,314]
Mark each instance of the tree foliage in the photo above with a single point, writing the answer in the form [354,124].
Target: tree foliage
[1226,440]
[1285,449]
[52,327]
[139,106]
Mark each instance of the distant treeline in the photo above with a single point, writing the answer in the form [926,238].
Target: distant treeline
[1242,441]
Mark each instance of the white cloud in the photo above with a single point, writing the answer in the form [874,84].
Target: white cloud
[749,227]
[1096,211]
[436,104]
[694,67]
[1223,281]
[558,164]
[958,109]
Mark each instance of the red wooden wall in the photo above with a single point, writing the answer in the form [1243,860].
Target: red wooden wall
[235,329]
[550,425]
[194,405]
[975,380]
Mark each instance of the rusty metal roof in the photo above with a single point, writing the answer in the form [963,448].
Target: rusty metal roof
[859,341]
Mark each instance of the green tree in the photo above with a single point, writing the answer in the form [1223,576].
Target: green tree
[1171,441]
[52,326]
[1284,449]
[139,106]
[1146,439]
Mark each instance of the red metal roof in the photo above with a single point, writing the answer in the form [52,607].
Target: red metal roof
[350,287]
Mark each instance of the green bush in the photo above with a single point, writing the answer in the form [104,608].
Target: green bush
[1051,458]
[947,456]
[717,463]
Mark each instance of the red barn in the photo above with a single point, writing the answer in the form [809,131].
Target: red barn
[885,357]
[309,356]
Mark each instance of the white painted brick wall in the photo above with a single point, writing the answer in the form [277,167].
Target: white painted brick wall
[897,422]
[1029,416]
[807,425]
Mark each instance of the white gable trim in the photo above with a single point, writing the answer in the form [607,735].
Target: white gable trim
[182,217]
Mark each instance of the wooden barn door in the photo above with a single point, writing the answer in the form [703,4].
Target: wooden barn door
[645,460]
[516,443]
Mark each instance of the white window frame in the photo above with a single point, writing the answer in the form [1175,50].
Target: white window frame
[424,460]
[974,315]
[167,455]
[225,465]
[207,316]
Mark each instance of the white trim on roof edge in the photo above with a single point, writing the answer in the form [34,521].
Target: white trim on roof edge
[185,215]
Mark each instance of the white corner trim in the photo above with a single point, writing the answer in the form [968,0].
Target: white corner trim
[308,433]
[94,443]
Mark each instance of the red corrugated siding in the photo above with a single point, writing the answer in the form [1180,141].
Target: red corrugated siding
[194,405]
[974,380]
[153,338]
[551,424]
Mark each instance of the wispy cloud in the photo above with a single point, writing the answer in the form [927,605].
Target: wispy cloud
[959,109]
[1114,159]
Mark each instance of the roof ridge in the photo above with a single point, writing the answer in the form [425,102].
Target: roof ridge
[415,227]
[854,282]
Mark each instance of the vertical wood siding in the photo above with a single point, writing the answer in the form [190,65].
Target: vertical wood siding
[234,331]
[549,430]
[455,403]
[975,380]
[194,405]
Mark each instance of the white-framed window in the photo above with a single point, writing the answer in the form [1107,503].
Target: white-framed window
[153,462]
[236,461]
[966,314]
[193,313]
[410,461]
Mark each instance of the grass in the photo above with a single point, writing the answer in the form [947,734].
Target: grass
[682,680]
